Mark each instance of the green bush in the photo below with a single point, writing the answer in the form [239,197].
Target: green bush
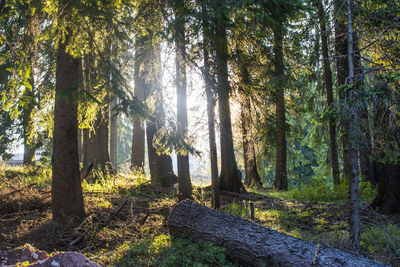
[237,209]
[162,250]
[322,190]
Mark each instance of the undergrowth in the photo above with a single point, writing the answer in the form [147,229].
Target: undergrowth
[162,250]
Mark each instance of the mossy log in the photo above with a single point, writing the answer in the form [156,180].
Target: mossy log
[251,244]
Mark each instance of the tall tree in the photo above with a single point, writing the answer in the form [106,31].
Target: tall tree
[184,183]
[329,94]
[352,156]
[210,94]
[67,199]
[230,177]
[142,52]
[280,182]
[252,178]
[32,31]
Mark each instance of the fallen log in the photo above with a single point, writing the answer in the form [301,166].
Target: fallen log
[251,244]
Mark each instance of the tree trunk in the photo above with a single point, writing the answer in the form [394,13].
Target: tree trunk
[329,95]
[210,94]
[114,134]
[342,70]
[141,71]
[32,31]
[184,183]
[97,143]
[365,144]
[230,177]
[161,170]
[67,200]
[251,244]
[280,182]
[252,178]
[386,136]
[113,112]
[354,205]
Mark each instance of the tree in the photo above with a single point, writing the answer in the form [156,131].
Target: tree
[352,156]
[210,94]
[184,183]
[67,199]
[230,177]
[329,94]
[142,51]
[280,182]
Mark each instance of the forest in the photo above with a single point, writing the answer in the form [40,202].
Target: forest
[199,133]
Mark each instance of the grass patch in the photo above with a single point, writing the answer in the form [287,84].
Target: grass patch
[162,250]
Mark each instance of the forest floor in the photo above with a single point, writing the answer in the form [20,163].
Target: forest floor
[126,223]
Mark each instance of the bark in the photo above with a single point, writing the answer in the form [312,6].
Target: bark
[386,136]
[32,30]
[184,183]
[114,134]
[251,244]
[365,144]
[252,178]
[230,177]
[97,142]
[113,112]
[67,200]
[161,170]
[342,70]
[280,182]
[354,205]
[141,72]
[329,95]
[210,94]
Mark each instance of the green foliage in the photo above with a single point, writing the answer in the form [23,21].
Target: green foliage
[162,250]
[380,238]
[322,190]
[237,209]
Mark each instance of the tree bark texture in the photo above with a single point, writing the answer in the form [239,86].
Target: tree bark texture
[387,199]
[184,183]
[67,200]
[329,95]
[252,178]
[280,182]
[32,31]
[354,205]
[161,170]
[114,134]
[210,94]
[342,70]
[251,244]
[230,177]
[97,142]
[141,72]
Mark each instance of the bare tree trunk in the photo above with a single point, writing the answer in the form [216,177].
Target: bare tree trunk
[230,177]
[342,70]
[184,183]
[280,182]
[251,244]
[210,93]
[329,95]
[32,31]
[67,199]
[114,134]
[353,153]
[97,143]
[252,178]
[141,72]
